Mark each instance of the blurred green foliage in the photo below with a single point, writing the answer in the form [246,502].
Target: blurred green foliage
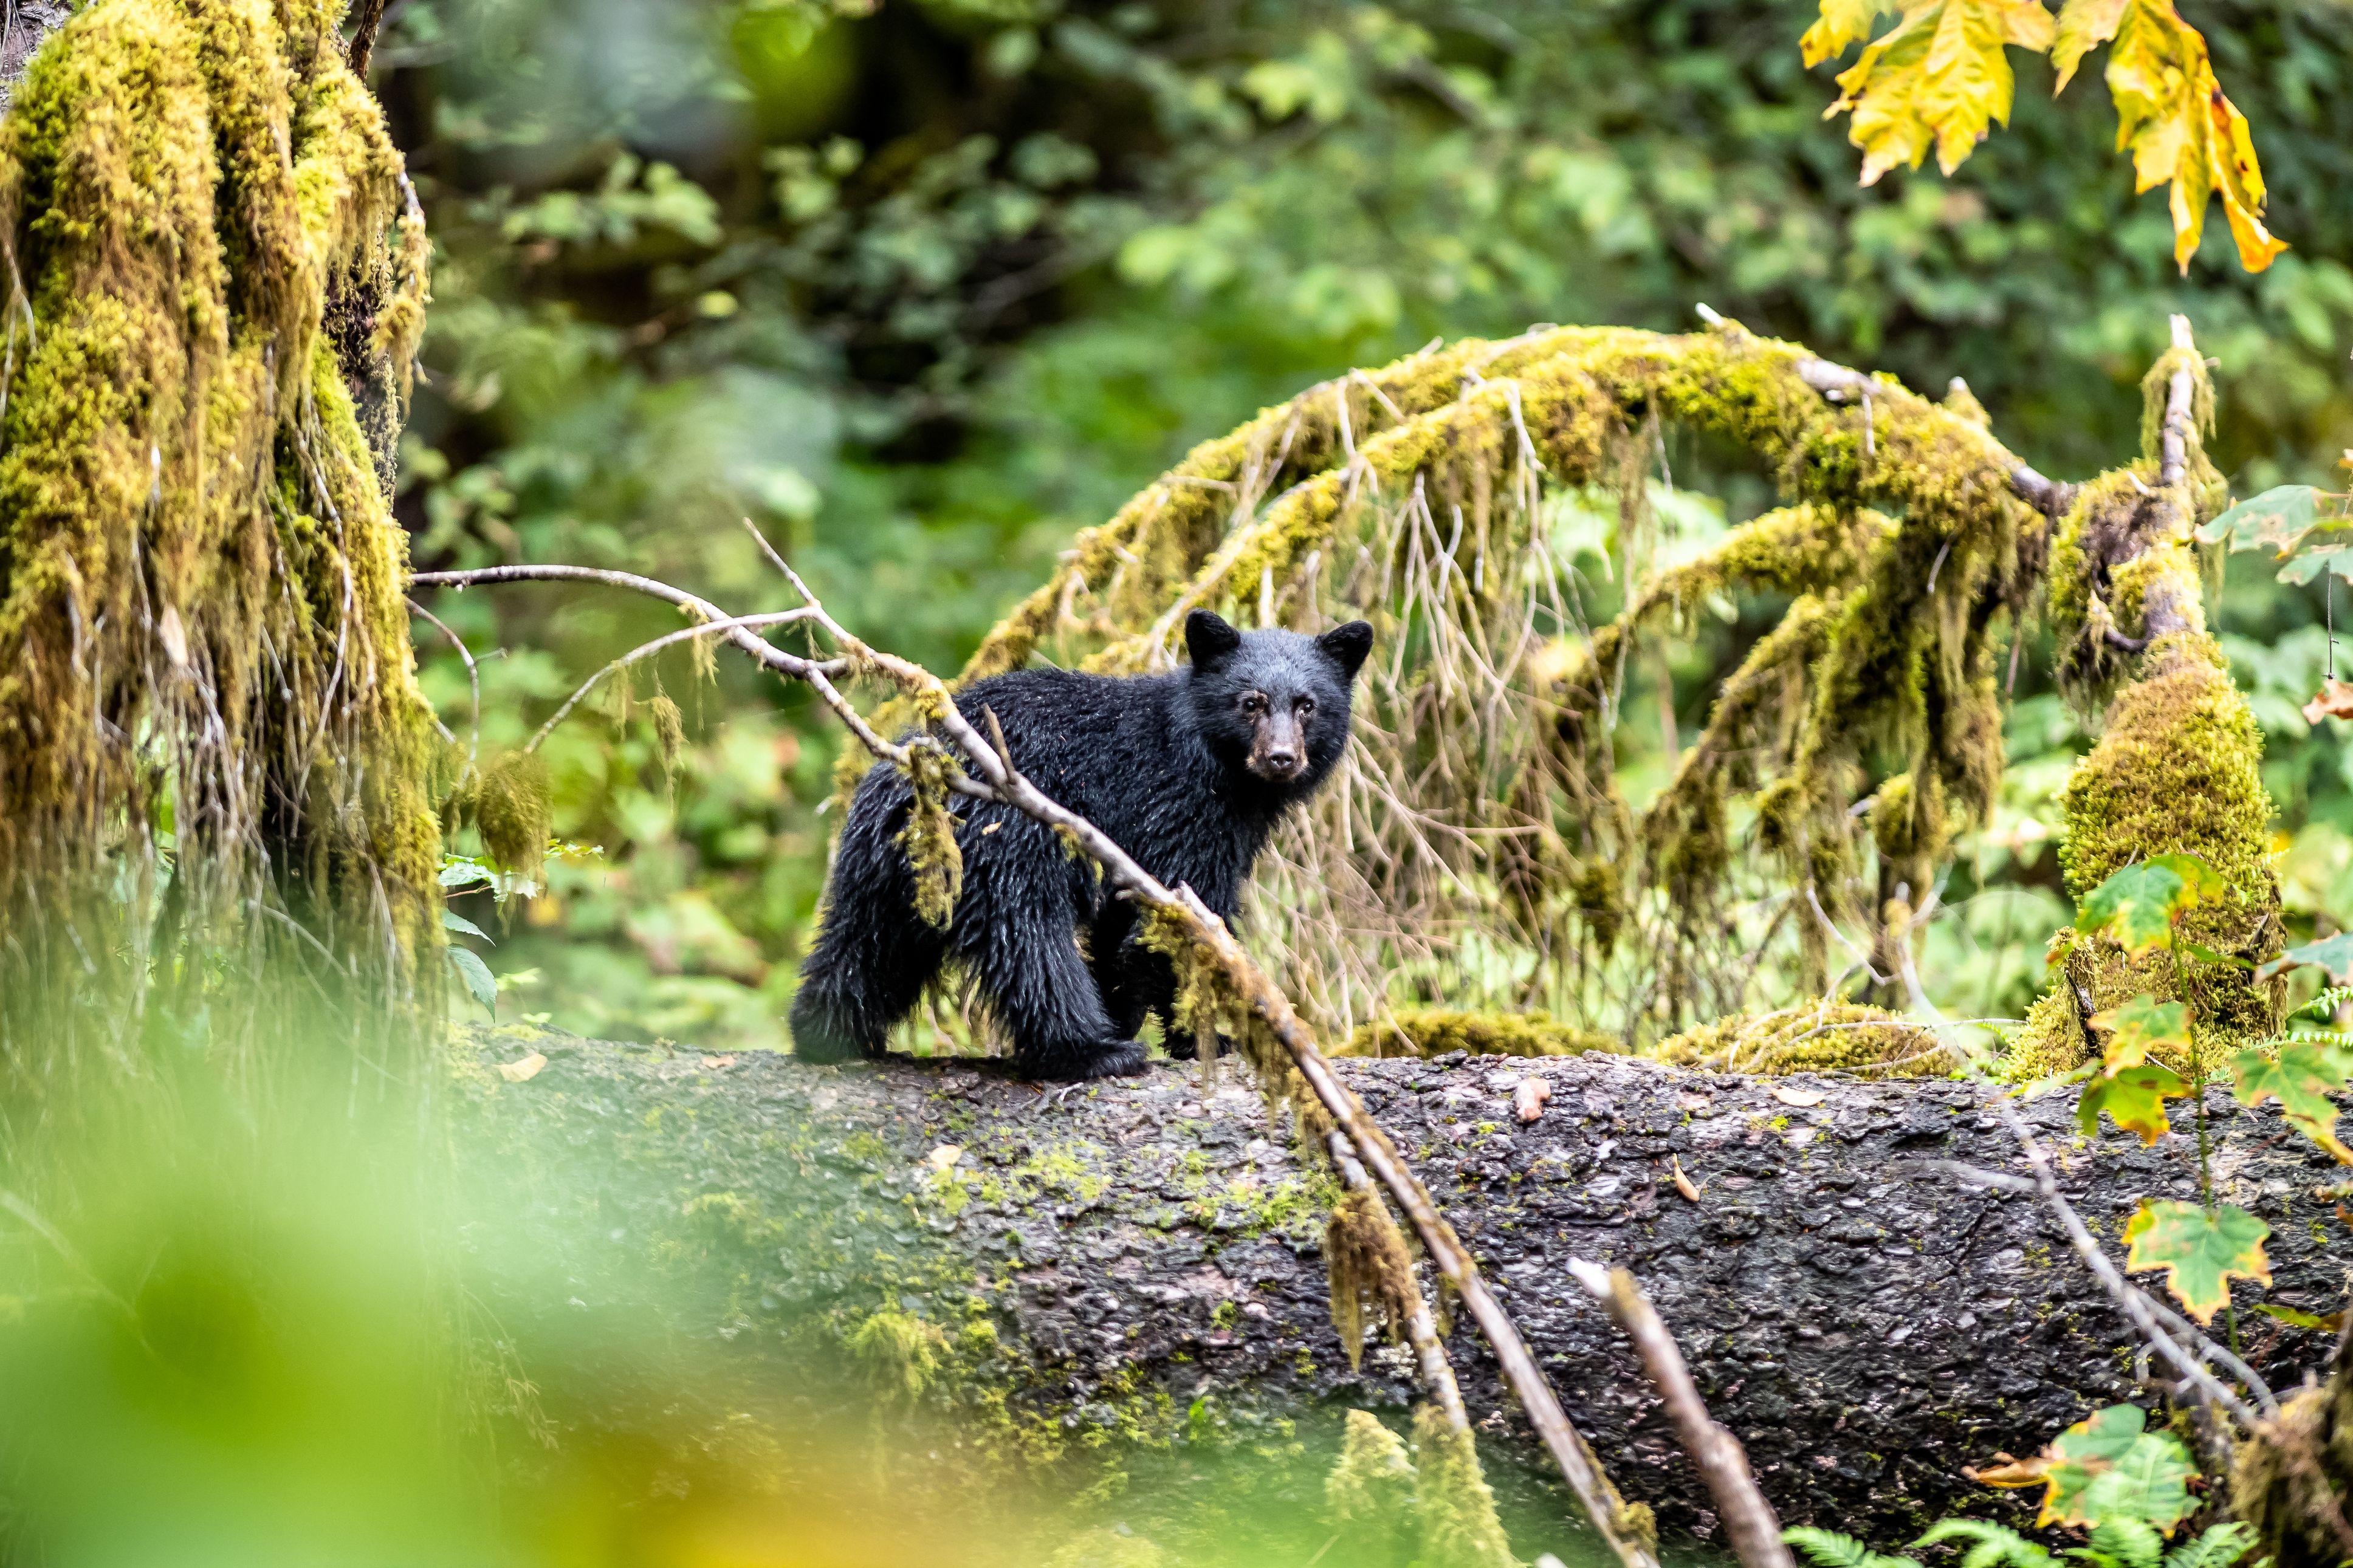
[925,289]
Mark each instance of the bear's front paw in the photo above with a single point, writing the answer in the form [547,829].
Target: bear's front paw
[1181,1047]
[1115,1058]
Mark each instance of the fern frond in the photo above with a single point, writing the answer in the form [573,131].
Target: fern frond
[2326,1003]
[2221,1545]
[2129,1542]
[1830,1550]
[1996,1546]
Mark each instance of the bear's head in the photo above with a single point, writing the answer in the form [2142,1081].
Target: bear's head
[1274,704]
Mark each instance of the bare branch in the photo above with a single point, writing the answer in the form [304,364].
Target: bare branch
[370,14]
[646,650]
[1750,1521]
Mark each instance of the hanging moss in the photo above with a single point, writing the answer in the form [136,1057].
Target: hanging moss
[929,838]
[900,1352]
[1371,1273]
[200,580]
[1827,1036]
[512,805]
[1435,1031]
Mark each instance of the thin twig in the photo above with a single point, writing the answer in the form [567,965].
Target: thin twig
[473,680]
[1748,1520]
[646,650]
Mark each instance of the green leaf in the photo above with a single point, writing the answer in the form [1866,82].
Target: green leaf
[2204,954]
[2201,1253]
[2334,954]
[2276,520]
[2301,1076]
[2134,1098]
[2333,1323]
[2312,562]
[2137,1027]
[477,976]
[2110,1466]
[2201,884]
[2136,905]
[458,871]
[452,921]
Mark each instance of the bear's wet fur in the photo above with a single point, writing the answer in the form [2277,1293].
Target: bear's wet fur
[1187,771]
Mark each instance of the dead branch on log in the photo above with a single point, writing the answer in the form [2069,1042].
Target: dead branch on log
[1715,1453]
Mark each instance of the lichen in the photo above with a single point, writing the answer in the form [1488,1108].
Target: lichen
[200,579]
[1435,1031]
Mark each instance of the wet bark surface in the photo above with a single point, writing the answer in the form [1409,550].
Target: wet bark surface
[1865,1327]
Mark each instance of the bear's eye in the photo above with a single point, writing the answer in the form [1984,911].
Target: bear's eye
[1304,707]
[1253,703]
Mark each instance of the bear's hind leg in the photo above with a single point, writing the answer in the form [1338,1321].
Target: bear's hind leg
[1029,962]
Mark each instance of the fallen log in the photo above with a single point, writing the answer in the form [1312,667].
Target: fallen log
[1137,1263]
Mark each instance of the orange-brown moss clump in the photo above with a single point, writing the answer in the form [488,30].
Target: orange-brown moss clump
[200,579]
[1825,1037]
[1435,1031]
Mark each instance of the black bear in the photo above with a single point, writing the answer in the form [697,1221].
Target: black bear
[1187,771]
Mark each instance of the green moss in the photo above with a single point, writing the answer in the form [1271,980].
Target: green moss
[188,501]
[1826,1037]
[2176,771]
[900,1352]
[1452,1505]
[1435,1031]
[1369,1493]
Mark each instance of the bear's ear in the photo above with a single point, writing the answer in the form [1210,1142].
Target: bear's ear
[1209,638]
[1347,647]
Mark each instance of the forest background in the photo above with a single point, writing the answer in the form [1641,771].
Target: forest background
[924,290]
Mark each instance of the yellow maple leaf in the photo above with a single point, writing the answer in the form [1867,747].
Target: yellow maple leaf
[2084,25]
[1841,22]
[2171,113]
[1938,78]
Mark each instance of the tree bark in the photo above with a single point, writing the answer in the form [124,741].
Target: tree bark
[1864,1326]
[27,25]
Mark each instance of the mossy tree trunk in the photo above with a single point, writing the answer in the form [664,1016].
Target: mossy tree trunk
[1137,1267]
